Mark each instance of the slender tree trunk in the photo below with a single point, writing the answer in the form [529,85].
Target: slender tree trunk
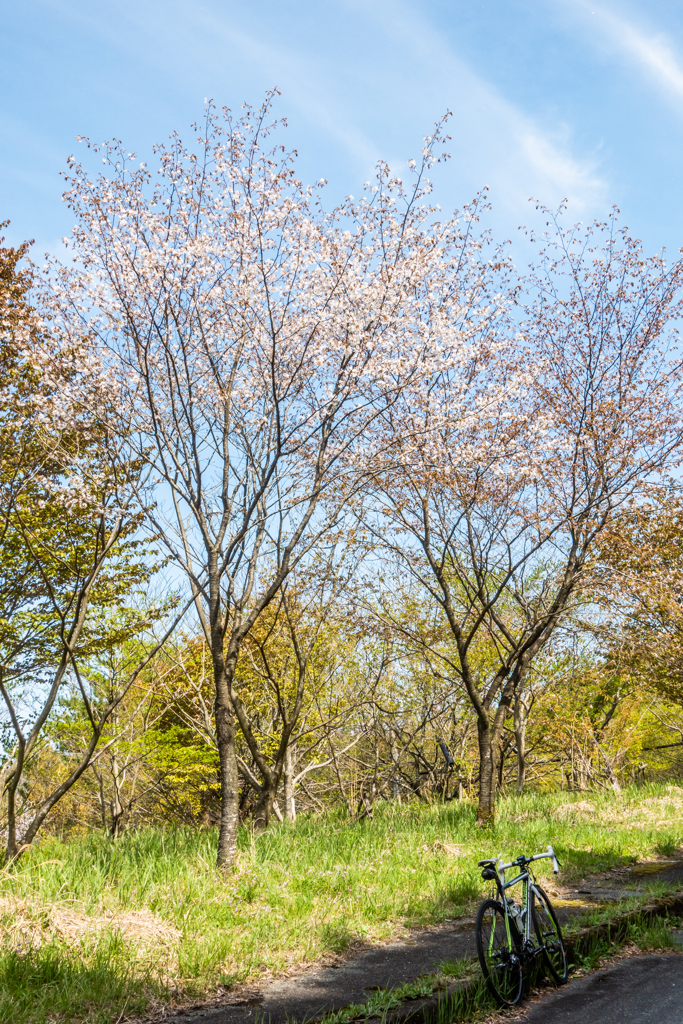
[264,805]
[486,811]
[290,806]
[11,781]
[12,849]
[609,770]
[225,738]
[521,712]
[116,805]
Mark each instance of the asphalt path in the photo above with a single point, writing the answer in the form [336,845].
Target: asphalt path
[638,990]
[308,996]
[311,993]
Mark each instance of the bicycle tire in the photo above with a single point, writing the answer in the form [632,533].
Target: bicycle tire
[549,935]
[498,949]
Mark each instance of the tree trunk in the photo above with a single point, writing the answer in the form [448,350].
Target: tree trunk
[520,722]
[609,770]
[225,738]
[290,806]
[12,848]
[505,744]
[486,811]
[264,804]
[116,805]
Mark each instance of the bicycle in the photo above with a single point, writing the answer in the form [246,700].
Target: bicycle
[505,943]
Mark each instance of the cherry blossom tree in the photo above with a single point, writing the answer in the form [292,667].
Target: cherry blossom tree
[498,486]
[255,339]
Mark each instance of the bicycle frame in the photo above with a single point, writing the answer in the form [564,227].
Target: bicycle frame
[511,938]
[528,885]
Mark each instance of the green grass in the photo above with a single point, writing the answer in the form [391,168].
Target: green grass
[54,983]
[384,1000]
[655,934]
[299,893]
[645,935]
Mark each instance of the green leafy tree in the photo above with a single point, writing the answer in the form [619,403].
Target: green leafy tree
[69,551]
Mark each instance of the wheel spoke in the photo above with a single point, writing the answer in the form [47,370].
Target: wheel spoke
[497,946]
[549,936]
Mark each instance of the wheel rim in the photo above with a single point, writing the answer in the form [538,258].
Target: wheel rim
[499,957]
[549,935]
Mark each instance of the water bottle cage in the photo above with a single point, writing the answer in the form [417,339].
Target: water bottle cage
[514,909]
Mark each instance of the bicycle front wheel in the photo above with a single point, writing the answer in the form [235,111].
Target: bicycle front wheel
[498,949]
[549,935]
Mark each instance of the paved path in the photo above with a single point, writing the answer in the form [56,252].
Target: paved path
[641,990]
[314,992]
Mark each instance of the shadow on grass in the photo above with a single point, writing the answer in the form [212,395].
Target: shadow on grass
[464,890]
[667,847]
[337,937]
[584,862]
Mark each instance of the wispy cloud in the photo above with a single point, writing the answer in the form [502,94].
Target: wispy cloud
[375,78]
[653,52]
[304,83]
[502,144]
[416,70]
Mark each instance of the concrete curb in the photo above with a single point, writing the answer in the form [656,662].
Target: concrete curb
[424,1011]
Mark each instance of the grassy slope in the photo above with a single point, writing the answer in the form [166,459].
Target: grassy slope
[94,929]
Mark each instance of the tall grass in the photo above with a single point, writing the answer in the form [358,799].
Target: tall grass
[300,893]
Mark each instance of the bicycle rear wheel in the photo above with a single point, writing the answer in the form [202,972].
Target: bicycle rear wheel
[498,949]
[549,935]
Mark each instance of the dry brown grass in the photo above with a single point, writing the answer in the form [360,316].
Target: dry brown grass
[25,922]
[579,807]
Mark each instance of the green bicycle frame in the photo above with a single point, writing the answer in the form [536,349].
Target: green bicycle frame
[528,885]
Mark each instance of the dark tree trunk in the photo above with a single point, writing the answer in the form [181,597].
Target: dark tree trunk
[503,748]
[264,805]
[225,736]
[486,810]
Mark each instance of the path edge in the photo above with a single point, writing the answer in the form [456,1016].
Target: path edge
[426,1009]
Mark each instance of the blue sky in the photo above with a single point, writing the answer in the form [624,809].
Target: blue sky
[551,98]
